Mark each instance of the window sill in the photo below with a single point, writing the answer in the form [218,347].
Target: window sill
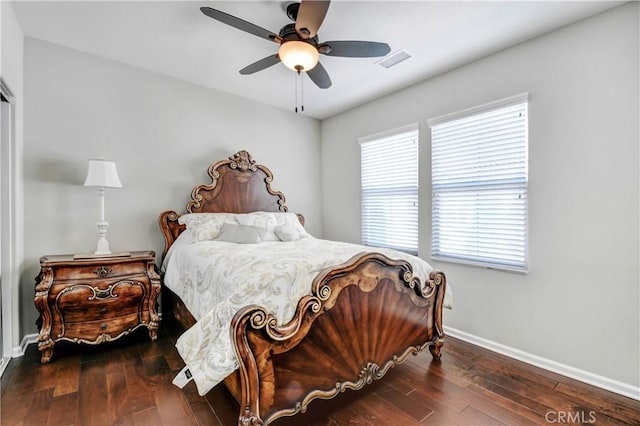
[502,268]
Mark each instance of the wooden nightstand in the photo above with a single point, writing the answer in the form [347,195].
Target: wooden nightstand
[95,300]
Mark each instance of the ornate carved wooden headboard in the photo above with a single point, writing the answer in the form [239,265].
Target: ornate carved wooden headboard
[238,185]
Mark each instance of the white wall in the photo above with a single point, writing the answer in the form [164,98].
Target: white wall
[579,304]
[11,70]
[163,134]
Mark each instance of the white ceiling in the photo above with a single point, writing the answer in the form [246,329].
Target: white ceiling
[174,38]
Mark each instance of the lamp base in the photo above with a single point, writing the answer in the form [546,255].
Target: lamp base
[103,245]
[102,252]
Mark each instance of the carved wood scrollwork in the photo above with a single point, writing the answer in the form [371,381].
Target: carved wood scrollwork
[155,292]
[367,375]
[45,343]
[242,161]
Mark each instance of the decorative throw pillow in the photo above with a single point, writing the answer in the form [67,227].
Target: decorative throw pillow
[240,234]
[264,222]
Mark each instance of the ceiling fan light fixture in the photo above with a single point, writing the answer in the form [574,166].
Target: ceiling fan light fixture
[298,55]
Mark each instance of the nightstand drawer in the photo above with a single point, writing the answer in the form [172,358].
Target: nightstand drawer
[98,301]
[101,270]
[89,331]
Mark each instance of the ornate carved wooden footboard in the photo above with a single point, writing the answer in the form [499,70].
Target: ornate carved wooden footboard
[362,318]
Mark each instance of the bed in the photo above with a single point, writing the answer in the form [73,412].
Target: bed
[356,320]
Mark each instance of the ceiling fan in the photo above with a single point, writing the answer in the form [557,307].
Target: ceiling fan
[299,44]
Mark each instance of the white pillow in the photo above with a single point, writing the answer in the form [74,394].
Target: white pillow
[289,227]
[206,226]
[203,226]
[241,234]
[287,232]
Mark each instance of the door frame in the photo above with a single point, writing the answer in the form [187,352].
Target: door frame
[8,259]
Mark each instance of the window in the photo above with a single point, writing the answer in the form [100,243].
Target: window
[389,182]
[479,185]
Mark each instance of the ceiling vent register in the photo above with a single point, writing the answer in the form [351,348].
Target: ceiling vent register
[394,59]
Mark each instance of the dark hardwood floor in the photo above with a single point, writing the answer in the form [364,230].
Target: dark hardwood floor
[129,383]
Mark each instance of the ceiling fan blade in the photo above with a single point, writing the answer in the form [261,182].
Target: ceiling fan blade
[320,76]
[310,16]
[354,49]
[240,24]
[260,65]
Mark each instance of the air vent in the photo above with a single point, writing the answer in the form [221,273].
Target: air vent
[394,59]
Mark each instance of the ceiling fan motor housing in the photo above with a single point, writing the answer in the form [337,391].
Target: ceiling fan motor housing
[288,33]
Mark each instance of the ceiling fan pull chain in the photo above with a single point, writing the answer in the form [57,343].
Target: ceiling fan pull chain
[295,81]
[301,92]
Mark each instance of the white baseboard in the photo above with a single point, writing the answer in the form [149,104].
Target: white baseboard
[28,339]
[606,383]
[3,365]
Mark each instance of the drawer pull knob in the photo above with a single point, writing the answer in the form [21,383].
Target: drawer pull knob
[102,271]
[103,326]
[103,311]
[102,294]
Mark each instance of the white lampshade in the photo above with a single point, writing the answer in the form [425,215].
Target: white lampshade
[298,55]
[102,173]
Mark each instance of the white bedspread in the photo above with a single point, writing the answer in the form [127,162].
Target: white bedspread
[215,279]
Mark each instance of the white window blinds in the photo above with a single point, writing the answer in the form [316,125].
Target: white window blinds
[479,185]
[389,182]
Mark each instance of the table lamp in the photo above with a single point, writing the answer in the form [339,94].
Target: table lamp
[103,174]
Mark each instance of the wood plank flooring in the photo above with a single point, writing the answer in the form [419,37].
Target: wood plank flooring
[129,383]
